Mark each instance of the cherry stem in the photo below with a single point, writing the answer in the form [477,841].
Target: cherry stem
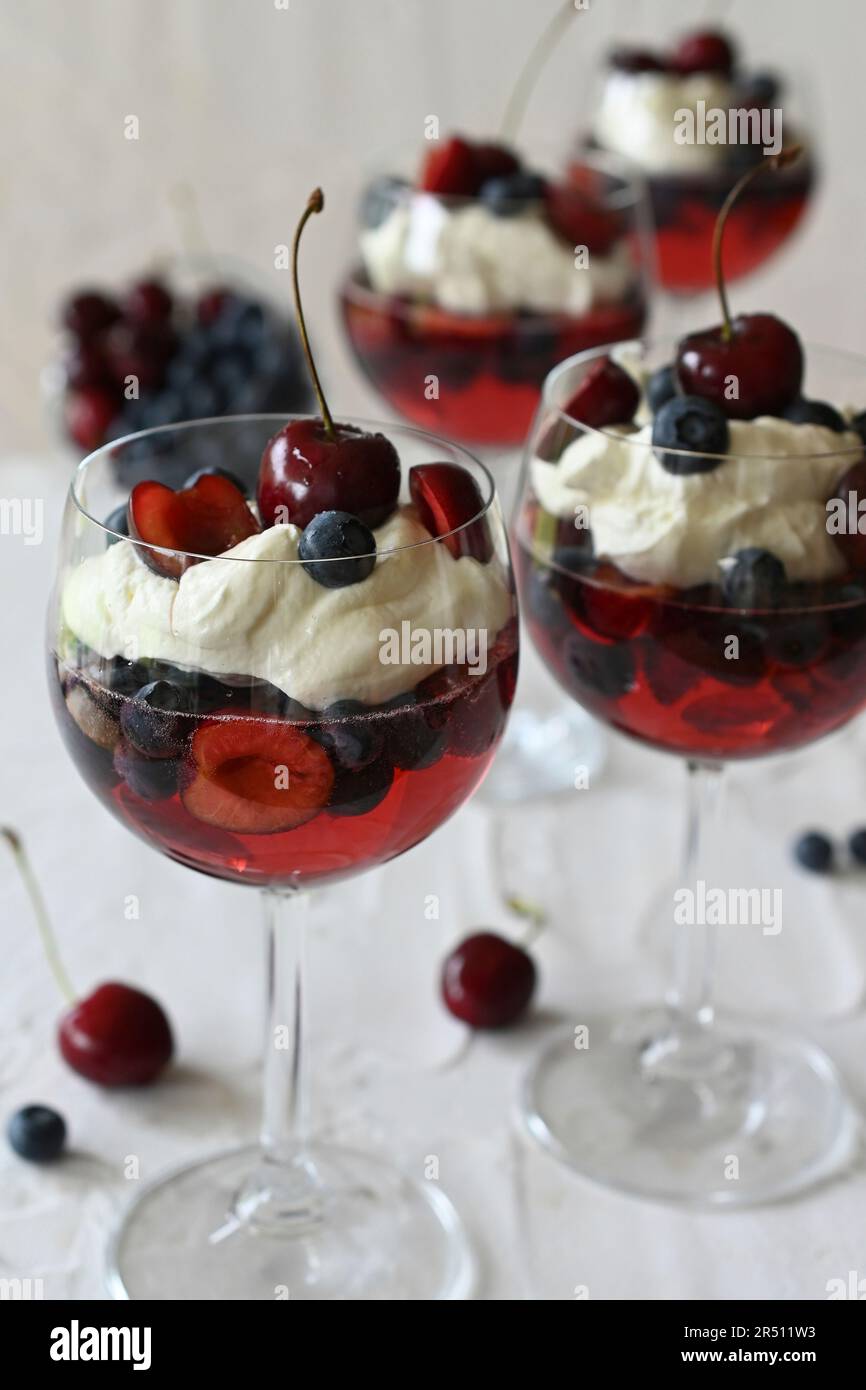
[531,913]
[315,203]
[532,69]
[770,162]
[40,912]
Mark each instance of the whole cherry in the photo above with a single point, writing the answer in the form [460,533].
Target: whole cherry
[487,981]
[708,51]
[750,365]
[315,465]
[115,1036]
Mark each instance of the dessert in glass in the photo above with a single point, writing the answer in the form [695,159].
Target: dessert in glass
[470,282]
[645,112]
[285,691]
[691,558]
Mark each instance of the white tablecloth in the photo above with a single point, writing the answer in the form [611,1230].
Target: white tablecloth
[392,1069]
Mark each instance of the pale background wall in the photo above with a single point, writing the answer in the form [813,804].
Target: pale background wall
[253,105]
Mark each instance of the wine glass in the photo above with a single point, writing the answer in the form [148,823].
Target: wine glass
[257,719]
[703,606]
[456,313]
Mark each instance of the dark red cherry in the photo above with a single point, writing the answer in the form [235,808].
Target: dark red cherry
[140,350]
[304,472]
[85,365]
[148,302]
[211,304]
[581,219]
[447,498]
[708,51]
[116,1036]
[606,396]
[89,412]
[634,60]
[89,313]
[207,518]
[757,370]
[451,169]
[487,981]
[844,524]
[493,161]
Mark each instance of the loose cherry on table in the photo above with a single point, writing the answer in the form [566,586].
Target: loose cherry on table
[89,411]
[204,519]
[149,302]
[117,1035]
[750,365]
[487,981]
[313,466]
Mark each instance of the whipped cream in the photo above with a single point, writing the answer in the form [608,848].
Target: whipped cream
[636,118]
[469,261]
[660,528]
[239,614]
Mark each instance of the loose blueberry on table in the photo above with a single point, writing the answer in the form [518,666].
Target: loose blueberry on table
[232,774]
[740,657]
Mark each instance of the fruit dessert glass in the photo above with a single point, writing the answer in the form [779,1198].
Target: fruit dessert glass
[691,574]
[638,114]
[472,283]
[284,693]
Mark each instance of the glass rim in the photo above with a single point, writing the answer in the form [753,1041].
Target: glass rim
[554,377]
[104,452]
[632,193]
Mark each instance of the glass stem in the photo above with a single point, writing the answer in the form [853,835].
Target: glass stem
[285,1101]
[690,997]
[283,1193]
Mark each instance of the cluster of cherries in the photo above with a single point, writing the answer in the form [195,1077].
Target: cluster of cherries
[493,174]
[222,353]
[704,51]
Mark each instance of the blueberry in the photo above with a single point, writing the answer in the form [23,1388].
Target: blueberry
[799,642]
[858,424]
[857,846]
[356,793]
[242,323]
[337,549]
[755,579]
[164,408]
[606,668]
[153,779]
[693,424]
[661,387]
[38,1133]
[216,473]
[354,739]
[153,719]
[803,412]
[506,196]
[118,522]
[379,200]
[814,852]
[762,87]
[124,677]
[202,400]
[413,740]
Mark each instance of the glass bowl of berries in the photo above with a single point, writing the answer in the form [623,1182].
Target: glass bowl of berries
[691,557]
[198,336]
[282,689]
[471,281]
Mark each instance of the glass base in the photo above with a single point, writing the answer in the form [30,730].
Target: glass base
[734,1117]
[372,1234]
[541,755]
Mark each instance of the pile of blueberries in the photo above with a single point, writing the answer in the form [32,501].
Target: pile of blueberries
[222,354]
[816,852]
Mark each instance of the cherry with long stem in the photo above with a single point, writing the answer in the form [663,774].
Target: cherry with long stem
[315,204]
[772,162]
[532,69]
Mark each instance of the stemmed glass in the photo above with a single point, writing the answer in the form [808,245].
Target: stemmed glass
[625,571]
[475,374]
[290,744]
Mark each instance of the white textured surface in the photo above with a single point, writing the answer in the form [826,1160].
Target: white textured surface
[254,115]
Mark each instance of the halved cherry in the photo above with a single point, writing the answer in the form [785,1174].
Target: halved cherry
[447,497]
[206,519]
[451,169]
[255,776]
[606,396]
[581,219]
